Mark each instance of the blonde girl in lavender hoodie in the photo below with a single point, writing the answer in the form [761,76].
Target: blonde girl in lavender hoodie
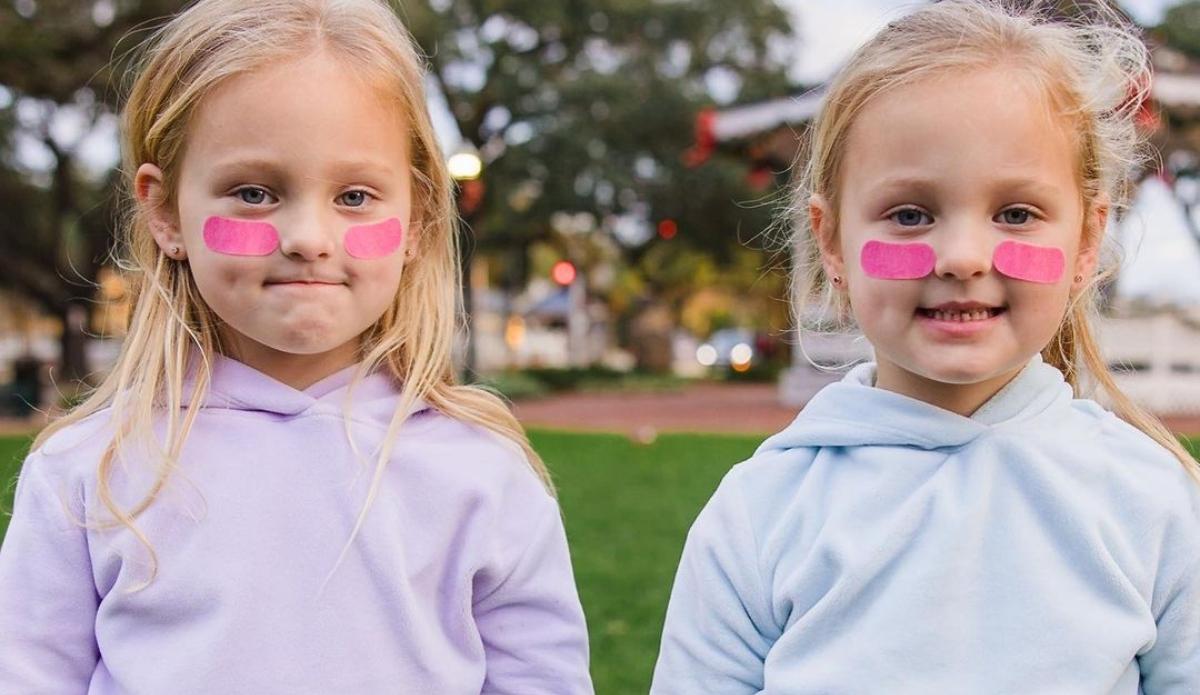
[280,487]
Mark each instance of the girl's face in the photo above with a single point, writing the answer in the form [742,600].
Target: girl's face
[294,212]
[959,163]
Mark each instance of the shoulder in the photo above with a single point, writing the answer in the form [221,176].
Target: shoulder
[1141,472]
[466,458]
[771,477]
[1128,447]
[761,493]
[72,452]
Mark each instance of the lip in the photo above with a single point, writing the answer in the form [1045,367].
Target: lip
[949,328]
[302,284]
[303,281]
[962,306]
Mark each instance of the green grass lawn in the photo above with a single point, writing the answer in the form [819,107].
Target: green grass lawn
[628,508]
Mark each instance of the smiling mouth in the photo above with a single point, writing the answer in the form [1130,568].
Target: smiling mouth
[961,315]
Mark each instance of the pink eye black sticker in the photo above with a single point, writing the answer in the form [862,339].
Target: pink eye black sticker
[370,241]
[1020,261]
[1015,259]
[888,261]
[240,237]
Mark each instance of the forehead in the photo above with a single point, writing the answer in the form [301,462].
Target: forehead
[315,106]
[959,129]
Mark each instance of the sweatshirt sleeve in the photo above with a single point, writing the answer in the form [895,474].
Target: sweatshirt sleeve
[1172,665]
[719,627]
[528,611]
[48,599]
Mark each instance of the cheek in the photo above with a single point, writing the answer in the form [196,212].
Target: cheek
[1037,309]
[883,303]
[379,278]
[220,277]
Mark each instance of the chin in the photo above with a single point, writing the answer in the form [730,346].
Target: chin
[967,373]
[305,342]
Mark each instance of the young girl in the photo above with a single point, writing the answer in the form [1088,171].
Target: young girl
[952,518]
[280,488]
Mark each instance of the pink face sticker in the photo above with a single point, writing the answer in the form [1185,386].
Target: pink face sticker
[1020,261]
[369,241]
[887,261]
[240,237]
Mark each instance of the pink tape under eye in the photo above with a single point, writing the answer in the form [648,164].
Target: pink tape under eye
[240,237]
[887,261]
[368,241]
[1021,261]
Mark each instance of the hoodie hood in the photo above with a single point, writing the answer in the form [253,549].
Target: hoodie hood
[853,412]
[237,386]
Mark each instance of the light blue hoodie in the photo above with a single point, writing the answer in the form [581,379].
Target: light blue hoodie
[880,544]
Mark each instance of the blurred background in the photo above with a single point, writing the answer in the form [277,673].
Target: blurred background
[621,167]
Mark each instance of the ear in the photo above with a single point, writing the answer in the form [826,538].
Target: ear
[412,238]
[824,228]
[1092,239]
[149,188]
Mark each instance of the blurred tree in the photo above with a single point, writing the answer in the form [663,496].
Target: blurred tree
[589,108]
[60,61]
[585,113]
[1180,27]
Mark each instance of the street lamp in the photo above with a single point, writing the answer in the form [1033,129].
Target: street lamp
[466,168]
[465,164]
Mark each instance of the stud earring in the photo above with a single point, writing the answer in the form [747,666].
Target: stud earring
[837,280]
[1078,278]
[174,252]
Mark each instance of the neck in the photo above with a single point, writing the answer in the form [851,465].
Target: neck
[963,399]
[295,370]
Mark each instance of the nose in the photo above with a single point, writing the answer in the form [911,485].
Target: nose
[306,236]
[963,252]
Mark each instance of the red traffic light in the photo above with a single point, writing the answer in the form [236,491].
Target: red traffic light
[563,273]
[667,229]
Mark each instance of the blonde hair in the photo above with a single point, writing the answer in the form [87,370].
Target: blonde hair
[171,329]
[1095,74]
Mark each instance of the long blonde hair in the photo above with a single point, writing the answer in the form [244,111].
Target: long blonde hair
[173,332]
[1096,74]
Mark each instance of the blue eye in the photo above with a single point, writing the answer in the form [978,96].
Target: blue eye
[910,217]
[1016,216]
[252,195]
[354,199]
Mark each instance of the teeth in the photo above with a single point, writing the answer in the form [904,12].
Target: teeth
[962,316]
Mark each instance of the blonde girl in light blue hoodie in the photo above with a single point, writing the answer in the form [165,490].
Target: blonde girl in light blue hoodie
[955,517]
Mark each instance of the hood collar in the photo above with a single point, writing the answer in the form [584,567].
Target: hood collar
[854,412]
[237,386]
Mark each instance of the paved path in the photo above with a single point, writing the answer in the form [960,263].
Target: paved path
[736,408]
[732,408]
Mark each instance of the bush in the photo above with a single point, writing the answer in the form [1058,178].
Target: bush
[515,385]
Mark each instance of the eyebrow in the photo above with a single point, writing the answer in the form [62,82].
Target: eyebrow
[236,166]
[352,168]
[1020,184]
[344,171]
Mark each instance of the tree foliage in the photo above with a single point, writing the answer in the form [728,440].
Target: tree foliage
[589,108]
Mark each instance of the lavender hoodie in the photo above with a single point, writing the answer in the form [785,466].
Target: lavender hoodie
[459,580]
